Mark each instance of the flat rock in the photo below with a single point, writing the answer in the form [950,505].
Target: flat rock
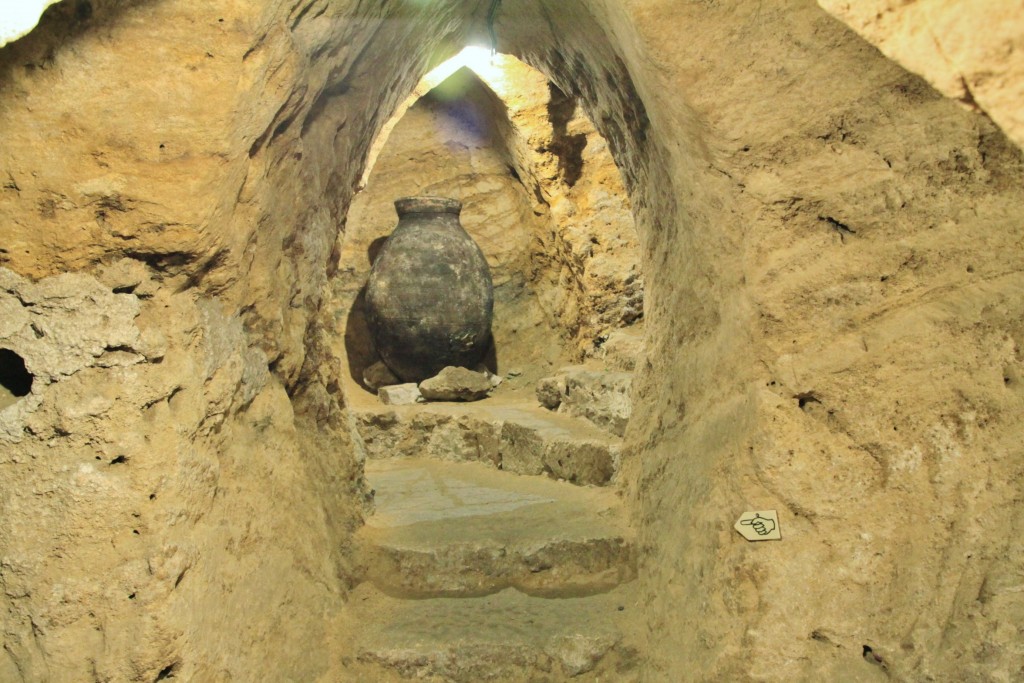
[456,384]
[443,528]
[399,394]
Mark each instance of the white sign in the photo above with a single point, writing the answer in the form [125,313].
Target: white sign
[759,525]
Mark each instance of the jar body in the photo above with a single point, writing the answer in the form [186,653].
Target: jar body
[429,297]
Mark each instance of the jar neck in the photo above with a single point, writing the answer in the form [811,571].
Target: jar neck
[427,205]
[429,220]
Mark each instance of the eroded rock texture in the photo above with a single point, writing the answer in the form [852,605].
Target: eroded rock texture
[972,52]
[831,265]
[184,513]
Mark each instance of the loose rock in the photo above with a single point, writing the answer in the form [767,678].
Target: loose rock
[551,391]
[456,384]
[400,394]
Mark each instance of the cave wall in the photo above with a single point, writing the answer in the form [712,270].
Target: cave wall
[183,507]
[837,339]
[972,52]
[832,257]
[831,254]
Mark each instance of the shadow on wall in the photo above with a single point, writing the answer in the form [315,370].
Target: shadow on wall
[360,349]
[359,346]
[15,379]
[568,148]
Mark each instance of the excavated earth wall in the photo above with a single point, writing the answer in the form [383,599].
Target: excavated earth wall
[831,253]
[178,171]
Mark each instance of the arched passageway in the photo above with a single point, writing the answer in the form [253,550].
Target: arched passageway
[541,195]
[830,254]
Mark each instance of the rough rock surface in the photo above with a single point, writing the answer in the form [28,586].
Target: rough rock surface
[832,296]
[586,266]
[399,394]
[153,426]
[379,375]
[599,396]
[972,51]
[456,384]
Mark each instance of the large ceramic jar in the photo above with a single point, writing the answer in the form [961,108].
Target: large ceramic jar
[429,298]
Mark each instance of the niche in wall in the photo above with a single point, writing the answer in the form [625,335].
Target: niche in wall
[15,379]
[541,196]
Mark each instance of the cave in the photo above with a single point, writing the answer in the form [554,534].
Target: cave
[756,346]
[541,196]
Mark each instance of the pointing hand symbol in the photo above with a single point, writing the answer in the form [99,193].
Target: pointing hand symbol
[761,525]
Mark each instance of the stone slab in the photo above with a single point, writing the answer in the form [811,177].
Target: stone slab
[399,394]
[444,528]
[507,636]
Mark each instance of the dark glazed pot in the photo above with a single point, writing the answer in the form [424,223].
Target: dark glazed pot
[429,298]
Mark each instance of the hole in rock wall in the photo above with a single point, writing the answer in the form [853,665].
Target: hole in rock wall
[541,196]
[15,379]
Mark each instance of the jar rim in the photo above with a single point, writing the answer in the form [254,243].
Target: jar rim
[427,204]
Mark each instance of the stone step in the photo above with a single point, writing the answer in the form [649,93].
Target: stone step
[503,637]
[448,528]
[518,436]
[597,395]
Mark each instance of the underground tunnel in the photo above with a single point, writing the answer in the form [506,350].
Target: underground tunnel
[749,263]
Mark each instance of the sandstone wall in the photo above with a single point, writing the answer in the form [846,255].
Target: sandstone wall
[843,350]
[972,52]
[183,510]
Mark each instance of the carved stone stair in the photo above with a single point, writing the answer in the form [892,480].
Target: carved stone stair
[507,637]
[515,436]
[448,528]
[480,565]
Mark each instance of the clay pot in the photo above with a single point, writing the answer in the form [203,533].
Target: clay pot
[429,298]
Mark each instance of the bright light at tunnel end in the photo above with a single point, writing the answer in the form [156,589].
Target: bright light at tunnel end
[497,70]
[489,66]
[19,17]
